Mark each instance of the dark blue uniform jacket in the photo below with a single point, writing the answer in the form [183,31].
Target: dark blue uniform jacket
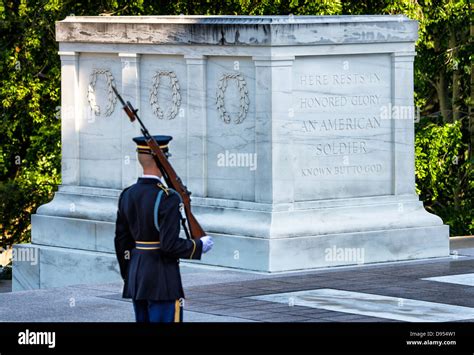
[151,274]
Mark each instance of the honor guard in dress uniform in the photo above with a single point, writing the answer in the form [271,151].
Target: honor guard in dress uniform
[148,245]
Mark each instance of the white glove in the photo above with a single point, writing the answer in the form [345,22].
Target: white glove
[207,244]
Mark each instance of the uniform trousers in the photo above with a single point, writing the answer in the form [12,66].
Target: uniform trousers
[148,311]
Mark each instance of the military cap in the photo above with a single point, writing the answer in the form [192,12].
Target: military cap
[143,148]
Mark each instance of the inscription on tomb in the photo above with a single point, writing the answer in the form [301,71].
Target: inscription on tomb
[339,79]
[341,137]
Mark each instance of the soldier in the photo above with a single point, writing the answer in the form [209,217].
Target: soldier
[148,245]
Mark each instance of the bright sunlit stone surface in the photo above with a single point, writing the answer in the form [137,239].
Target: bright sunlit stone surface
[402,309]
[462,279]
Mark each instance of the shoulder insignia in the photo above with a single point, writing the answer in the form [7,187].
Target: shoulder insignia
[163,187]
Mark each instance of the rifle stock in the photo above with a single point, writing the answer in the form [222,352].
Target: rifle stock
[172,179]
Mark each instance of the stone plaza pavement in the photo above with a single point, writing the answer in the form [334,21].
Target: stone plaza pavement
[427,290]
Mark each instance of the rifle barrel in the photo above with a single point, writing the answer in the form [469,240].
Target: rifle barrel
[118,95]
[171,178]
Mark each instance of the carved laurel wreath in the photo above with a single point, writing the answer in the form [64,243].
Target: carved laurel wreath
[111,98]
[244,97]
[175,89]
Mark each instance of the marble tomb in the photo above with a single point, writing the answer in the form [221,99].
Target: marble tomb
[295,135]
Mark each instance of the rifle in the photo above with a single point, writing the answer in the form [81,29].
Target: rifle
[172,179]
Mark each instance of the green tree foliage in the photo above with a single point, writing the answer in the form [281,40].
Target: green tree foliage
[29,129]
[444,175]
[30,93]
